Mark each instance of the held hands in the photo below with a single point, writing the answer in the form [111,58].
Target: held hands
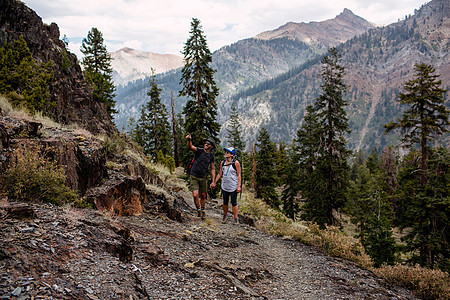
[212,185]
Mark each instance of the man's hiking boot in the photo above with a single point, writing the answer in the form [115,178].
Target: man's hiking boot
[224,219]
[202,214]
[199,213]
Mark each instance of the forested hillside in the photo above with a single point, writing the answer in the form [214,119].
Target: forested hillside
[247,63]
[377,63]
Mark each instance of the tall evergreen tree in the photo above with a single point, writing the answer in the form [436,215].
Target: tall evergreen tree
[153,127]
[308,146]
[423,204]
[97,66]
[234,132]
[281,164]
[265,168]
[426,209]
[289,195]
[332,155]
[199,86]
[369,207]
[427,116]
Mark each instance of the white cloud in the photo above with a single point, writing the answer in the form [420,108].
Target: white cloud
[163,26]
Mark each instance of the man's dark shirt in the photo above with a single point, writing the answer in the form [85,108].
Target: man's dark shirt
[201,163]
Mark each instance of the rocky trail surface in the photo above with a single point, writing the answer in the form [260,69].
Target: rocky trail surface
[50,252]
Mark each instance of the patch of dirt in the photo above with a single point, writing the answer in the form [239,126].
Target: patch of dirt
[65,253]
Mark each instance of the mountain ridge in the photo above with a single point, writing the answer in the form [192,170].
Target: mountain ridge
[239,66]
[313,32]
[377,65]
[130,64]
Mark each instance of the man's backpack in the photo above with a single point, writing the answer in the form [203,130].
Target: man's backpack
[190,165]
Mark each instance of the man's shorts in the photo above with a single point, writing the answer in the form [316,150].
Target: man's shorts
[199,184]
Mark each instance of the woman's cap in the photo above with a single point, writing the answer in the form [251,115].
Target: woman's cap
[231,150]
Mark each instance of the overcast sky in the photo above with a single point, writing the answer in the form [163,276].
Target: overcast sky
[163,26]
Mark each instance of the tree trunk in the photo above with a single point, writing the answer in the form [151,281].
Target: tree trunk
[423,163]
[174,132]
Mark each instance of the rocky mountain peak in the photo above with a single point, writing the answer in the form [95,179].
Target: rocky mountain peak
[326,33]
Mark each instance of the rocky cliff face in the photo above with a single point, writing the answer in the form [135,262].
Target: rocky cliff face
[73,97]
[110,177]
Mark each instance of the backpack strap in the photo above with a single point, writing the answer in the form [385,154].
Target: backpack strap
[233,162]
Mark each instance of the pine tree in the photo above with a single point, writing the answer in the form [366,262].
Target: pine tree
[423,204]
[281,164]
[369,207]
[426,209]
[427,116]
[290,193]
[265,168]
[199,86]
[153,127]
[234,132]
[332,166]
[98,70]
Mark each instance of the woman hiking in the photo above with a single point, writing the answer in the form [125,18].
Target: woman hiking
[230,169]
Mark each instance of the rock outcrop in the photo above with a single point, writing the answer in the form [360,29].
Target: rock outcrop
[73,97]
[123,189]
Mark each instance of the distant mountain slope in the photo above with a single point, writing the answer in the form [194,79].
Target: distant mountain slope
[248,62]
[325,34]
[129,64]
[377,64]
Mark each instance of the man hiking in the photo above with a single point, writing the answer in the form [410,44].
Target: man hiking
[203,158]
[231,182]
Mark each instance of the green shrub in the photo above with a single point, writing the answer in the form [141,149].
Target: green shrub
[34,178]
[166,160]
[23,79]
[65,61]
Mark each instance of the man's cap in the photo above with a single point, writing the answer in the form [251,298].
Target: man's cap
[211,141]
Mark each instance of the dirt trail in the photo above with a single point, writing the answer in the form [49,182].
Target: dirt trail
[83,254]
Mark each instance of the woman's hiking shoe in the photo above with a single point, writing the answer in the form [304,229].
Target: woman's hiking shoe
[236,221]
[199,213]
[202,214]
[224,219]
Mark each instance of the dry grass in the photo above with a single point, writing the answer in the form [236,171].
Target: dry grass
[23,113]
[5,106]
[160,191]
[331,239]
[428,284]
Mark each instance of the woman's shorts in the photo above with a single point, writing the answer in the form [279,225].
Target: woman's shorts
[227,195]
